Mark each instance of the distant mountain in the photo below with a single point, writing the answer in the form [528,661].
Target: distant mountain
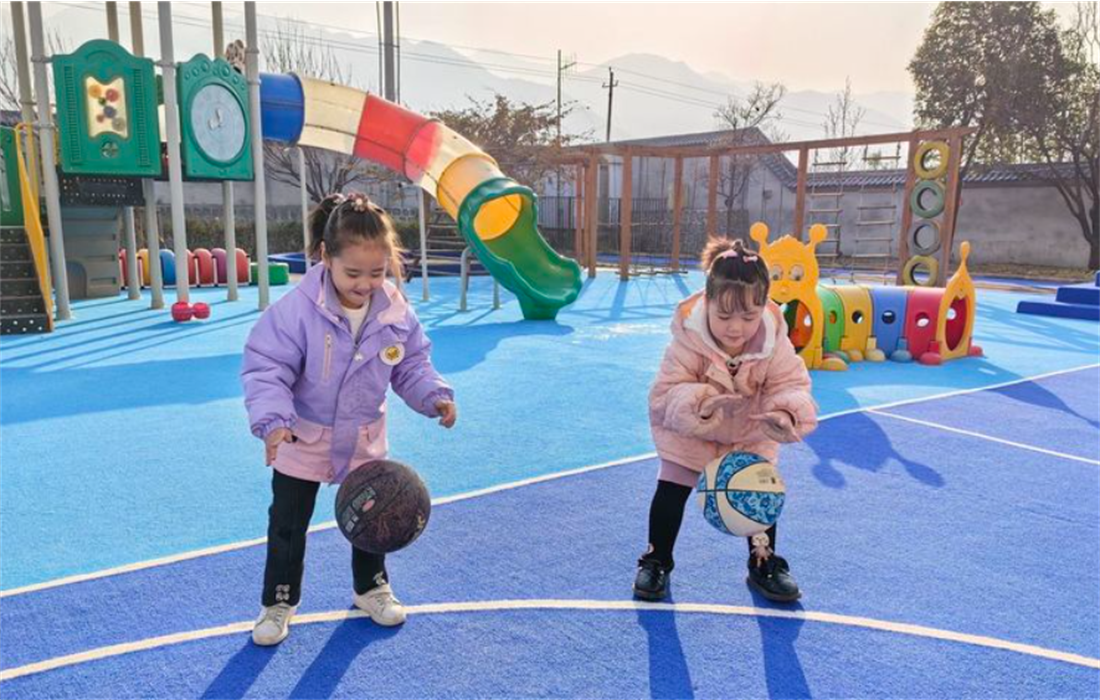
[656,95]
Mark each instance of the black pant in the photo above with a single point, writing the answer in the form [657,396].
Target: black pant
[666,513]
[288,519]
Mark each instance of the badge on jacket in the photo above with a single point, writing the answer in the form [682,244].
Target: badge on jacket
[393,354]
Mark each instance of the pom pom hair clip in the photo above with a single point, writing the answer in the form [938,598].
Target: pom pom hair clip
[359,202]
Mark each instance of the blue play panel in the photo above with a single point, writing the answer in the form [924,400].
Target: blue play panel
[941,522]
[1080,301]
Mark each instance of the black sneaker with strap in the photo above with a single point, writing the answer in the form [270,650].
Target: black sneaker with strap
[772,578]
[653,579]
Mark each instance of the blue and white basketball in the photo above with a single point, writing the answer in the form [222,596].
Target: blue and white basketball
[741,494]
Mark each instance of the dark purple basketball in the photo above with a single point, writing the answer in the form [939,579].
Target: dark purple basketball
[382,506]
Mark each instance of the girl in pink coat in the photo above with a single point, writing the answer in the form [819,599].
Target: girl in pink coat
[317,368]
[730,380]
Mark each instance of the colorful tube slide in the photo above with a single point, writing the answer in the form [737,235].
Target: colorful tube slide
[497,216]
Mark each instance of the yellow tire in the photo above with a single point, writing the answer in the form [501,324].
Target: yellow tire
[925,172]
[917,261]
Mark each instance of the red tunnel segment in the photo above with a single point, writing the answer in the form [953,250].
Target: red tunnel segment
[396,137]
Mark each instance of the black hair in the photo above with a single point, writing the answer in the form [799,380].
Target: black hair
[734,280]
[340,220]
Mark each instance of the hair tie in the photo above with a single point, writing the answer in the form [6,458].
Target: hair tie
[731,253]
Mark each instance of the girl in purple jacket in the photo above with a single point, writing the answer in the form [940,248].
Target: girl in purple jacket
[317,366]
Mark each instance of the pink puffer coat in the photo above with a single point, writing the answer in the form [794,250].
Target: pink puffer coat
[767,376]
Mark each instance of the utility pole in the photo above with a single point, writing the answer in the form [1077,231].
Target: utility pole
[611,84]
[562,67]
[389,89]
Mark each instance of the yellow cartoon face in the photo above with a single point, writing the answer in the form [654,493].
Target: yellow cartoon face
[794,274]
[792,263]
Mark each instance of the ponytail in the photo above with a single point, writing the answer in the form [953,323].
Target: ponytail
[318,223]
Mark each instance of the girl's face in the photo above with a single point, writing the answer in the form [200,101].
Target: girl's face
[357,271]
[733,328]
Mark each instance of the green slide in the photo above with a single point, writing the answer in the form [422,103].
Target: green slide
[521,260]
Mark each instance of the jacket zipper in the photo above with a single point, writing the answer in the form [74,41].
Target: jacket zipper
[328,357]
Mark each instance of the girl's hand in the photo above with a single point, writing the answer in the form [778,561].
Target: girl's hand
[448,413]
[717,404]
[778,426]
[275,438]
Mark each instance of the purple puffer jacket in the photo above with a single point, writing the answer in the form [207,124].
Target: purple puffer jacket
[303,370]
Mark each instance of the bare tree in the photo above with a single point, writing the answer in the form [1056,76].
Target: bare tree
[9,73]
[842,119]
[523,137]
[751,119]
[1087,27]
[291,50]
[1066,135]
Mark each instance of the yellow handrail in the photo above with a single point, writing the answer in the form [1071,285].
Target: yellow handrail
[32,219]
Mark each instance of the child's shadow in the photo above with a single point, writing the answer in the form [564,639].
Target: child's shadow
[346,643]
[859,441]
[319,680]
[240,672]
[668,671]
[782,669]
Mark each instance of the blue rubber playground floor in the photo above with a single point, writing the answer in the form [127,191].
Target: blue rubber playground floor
[944,522]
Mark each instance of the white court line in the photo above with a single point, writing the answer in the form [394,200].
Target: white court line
[588,605]
[983,436]
[219,549]
[327,525]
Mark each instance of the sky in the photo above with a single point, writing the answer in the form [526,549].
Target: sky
[807,46]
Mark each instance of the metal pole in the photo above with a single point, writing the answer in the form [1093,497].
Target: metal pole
[464,279]
[229,215]
[397,51]
[175,165]
[112,21]
[252,54]
[49,172]
[389,90]
[23,75]
[133,282]
[422,216]
[232,282]
[148,188]
[305,203]
[219,34]
[381,57]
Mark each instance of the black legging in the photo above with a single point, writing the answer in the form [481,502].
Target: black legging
[288,520]
[666,513]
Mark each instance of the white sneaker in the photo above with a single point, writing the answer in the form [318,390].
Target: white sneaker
[273,624]
[382,606]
